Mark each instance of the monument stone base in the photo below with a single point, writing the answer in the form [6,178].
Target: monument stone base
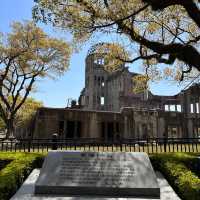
[78,175]
[26,192]
[111,174]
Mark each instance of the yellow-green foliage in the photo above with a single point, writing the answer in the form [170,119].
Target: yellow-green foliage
[176,169]
[27,55]
[139,29]
[25,114]
[12,176]
[27,111]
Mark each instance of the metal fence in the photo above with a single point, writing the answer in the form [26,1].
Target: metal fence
[150,145]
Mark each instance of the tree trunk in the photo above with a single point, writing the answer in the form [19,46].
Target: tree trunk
[10,128]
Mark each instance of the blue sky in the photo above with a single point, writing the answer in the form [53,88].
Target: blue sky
[54,93]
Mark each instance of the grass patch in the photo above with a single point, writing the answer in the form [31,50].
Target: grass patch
[177,170]
[14,173]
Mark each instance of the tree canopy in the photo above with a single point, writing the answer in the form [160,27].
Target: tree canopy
[162,31]
[25,113]
[26,55]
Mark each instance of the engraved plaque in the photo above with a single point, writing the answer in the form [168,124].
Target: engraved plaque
[117,174]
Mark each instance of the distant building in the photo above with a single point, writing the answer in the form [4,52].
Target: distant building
[109,110]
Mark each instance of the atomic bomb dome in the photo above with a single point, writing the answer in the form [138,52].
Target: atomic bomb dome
[105,90]
[110,110]
[94,49]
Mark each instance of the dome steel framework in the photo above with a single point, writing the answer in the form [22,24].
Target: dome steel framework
[95,47]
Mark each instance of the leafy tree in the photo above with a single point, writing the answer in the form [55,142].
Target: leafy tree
[162,31]
[26,55]
[25,113]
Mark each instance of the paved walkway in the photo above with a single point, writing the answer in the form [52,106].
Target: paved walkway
[26,192]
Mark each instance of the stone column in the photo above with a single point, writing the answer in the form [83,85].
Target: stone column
[161,127]
[84,129]
[65,129]
[115,129]
[76,129]
[178,131]
[125,127]
[199,104]
[93,128]
[181,131]
[136,129]
[190,128]
[176,107]
[194,106]
[140,130]
[195,134]
[106,131]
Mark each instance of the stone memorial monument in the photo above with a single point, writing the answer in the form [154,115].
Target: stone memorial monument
[111,174]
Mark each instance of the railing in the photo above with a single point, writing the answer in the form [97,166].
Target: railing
[150,145]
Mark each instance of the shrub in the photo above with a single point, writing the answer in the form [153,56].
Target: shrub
[13,175]
[3,163]
[175,168]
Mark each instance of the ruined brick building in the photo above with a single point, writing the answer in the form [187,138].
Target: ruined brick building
[111,91]
[109,110]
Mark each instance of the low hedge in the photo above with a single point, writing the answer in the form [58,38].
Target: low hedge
[3,163]
[176,169]
[14,173]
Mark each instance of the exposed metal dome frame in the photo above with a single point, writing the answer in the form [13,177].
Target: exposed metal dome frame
[94,48]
